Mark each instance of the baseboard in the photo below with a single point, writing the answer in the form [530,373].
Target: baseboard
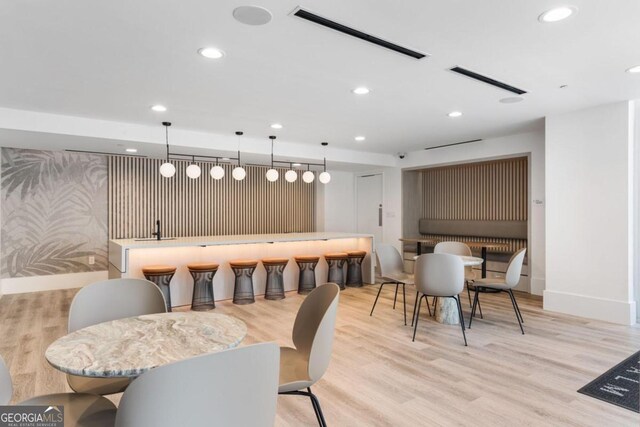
[621,312]
[18,285]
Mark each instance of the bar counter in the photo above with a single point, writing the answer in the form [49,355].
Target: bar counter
[128,256]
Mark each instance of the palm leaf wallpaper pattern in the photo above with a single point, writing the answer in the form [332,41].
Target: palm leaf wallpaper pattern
[54,212]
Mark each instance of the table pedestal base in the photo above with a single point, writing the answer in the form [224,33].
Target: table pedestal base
[447,311]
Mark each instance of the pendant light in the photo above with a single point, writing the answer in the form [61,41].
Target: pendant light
[238,172]
[324,177]
[217,172]
[308,176]
[167,169]
[272,174]
[291,175]
[193,170]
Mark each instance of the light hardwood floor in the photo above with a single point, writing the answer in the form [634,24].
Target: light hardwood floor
[378,377]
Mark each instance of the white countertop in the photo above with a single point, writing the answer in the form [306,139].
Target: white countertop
[233,239]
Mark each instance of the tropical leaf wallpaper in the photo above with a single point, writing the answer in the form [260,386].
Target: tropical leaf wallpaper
[54,212]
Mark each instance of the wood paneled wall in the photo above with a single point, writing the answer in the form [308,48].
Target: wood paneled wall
[493,191]
[139,195]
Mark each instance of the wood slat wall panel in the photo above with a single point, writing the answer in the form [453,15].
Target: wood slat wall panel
[139,195]
[492,191]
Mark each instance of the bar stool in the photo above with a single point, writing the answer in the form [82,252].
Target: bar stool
[336,261]
[243,291]
[307,278]
[275,284]
[202,274]
[161,275]
[354,268]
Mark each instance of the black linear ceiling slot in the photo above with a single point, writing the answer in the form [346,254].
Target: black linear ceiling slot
[488,80]
[455,143]
[304,14]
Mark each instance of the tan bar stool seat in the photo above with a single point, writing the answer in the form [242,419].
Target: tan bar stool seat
[161,275]
[336,255]
[275,261]
[203,266]
[308,258]
[158,269]
[356,254]
[243,290]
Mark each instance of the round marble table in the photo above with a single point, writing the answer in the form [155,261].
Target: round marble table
[129,347]
[446,309]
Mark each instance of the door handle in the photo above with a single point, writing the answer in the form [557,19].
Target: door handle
[380,216]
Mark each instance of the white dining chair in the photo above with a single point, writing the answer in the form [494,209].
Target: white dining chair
[80,409]
[391,269]
[461,249]
[237,387]
[313,330]
[506,284]
[442,276]
[110,300]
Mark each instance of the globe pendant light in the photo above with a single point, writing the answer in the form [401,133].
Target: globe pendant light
[291,175]
[193,170]
[272,174]
[167,169]
[217,172]
[324,177]
[238,172]
[308,176]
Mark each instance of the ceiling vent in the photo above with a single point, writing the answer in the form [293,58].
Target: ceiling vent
[317,19]
[488,80]
[452,144]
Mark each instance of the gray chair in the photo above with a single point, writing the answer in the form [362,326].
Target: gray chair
[313,330]
[461,249]
[80,409]
[391,268]
[105,301]
[237,387]
[497,285]
[442,276]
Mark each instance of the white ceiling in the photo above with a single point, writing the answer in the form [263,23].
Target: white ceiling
[112,60]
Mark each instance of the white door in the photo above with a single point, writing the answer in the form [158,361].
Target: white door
[369,205]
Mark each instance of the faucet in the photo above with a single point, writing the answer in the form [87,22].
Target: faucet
[158,234]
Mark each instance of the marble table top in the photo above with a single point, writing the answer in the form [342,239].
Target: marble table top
[468,261]
[129,347]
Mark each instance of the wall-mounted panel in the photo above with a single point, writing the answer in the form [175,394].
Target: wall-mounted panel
[139,195]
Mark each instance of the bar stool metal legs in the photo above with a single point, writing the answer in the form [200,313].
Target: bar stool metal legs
[161,275]
[243,270]
[336,263]
[354,268]
[275,282]
[307,278]
[203,286]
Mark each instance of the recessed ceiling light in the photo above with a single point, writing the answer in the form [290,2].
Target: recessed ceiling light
[211,52]
[634,70]
[360,138]
[131,150]
[454,114]
[296,164]
[557,14]
[159,108]
[276,126]
[512,100]
[361,90]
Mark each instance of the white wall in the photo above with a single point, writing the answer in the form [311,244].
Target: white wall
[337,203]
[589,175]
[636,192]
[531,144]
